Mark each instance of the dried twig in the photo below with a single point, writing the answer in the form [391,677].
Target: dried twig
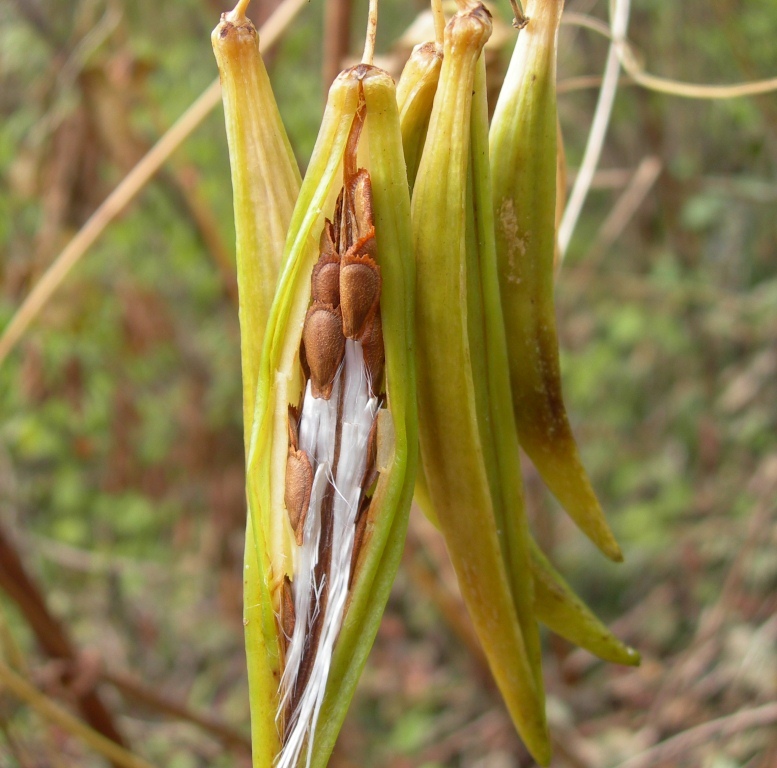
[593,148]
[51,635]
[672,748]
[626,206]
[132,689]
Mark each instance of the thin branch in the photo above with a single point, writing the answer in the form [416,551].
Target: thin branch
[129,188]
[688,90]
[593,149]
[637,73]
[626,206]
[51,634]
[132,689]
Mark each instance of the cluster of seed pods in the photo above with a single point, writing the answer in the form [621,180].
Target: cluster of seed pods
[331,463]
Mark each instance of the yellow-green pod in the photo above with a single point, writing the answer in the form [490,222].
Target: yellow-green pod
[265,183]
[415,98]
[523,152]
[488,352]
[457,445]
[564,613]
[281,732]
[555,603]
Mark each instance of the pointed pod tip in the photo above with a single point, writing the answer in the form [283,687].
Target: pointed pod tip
[612,549]
[633,657]
[542,751]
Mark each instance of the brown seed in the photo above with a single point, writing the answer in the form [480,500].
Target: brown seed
[293,427]
[327,243]
[370,473]
[372,347]
[288,617]
[358,536]
[360,284]
[338,229]
[360,196]
[299,484]
[324,343]
[325,280]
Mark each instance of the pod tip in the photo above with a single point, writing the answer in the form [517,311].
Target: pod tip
[612,550]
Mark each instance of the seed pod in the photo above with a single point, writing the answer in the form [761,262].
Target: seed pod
[491,375]
[415,97]
[339,625]
[459,449]
[564,613]
[555,603]
[265,183]
[523,145]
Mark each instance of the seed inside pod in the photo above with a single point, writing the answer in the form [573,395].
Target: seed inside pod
[325,280]
[360,193]
[372,347]
[293,427]
[358,536]
[288,619]
[299,484]
[359,292]
[324,344]
[370,471]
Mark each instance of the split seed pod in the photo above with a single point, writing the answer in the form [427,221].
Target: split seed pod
[470,479]
[361,422]
[523,143]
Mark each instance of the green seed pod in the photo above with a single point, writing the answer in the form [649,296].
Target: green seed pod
[523,146]
[463,470]
[339,350]
[415,97]
[564,613]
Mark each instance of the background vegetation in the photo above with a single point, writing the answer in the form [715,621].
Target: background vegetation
[121,475]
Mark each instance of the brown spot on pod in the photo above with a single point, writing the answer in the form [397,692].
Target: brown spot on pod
[325,279]
[299,484]
[288,617]
[324,344]
[372,347]
[360,284]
